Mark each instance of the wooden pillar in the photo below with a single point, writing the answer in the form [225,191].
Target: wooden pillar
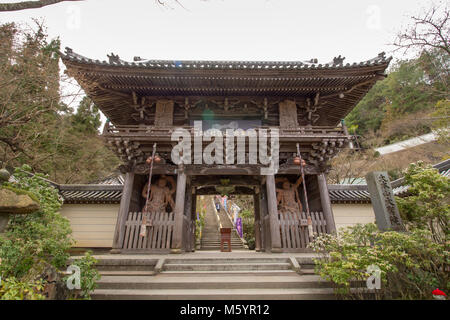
[326,203]
[179,211]
[273,214]
[193,218]
[124,208]
[256,207]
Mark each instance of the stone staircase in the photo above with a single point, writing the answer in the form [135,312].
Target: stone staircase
[215,278]
[211,235]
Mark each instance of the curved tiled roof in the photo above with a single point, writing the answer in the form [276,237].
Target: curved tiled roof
[114,60]
[113,84]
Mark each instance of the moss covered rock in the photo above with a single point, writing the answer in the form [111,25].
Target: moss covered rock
[15,203]
[4,175]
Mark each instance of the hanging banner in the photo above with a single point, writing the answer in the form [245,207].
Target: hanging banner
[239,227]
[235,212]
[224,202]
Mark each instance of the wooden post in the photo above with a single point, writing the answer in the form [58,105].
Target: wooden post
[257,222]
[326,203]
[124,208]
[179,211]
[273,214]
[193,218]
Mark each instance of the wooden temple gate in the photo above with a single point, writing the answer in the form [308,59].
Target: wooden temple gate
[147,101]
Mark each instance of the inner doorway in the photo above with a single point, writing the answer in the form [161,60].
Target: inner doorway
[216,212]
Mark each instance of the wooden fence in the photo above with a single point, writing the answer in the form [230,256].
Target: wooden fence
[294,229]
[158,237]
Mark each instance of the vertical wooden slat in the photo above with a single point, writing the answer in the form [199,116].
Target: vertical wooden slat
[296,228]
[140,239]
[127,231]
[283,235]
[160,230]
[137,226]
[164,230]
[131,227]
[150,231]
[155,231]
[287,231]
[169,230]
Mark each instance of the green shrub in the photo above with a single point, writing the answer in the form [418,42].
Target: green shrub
[41,236]
[12,289]
[411,264]
[89,276]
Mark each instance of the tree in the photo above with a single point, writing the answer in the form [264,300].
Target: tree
[35,126]
[29,78]
[23,5]
[428,31]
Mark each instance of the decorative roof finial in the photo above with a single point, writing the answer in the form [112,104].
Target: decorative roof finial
[339,60]
[113,58]
[68,50]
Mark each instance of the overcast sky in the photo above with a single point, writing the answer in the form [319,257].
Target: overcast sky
[225,29]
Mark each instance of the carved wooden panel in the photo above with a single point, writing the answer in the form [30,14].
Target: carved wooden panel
[164,113]
[288,114]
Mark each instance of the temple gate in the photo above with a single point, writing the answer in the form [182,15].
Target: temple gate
[147,100]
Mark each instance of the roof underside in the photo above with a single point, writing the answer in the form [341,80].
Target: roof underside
[112,84]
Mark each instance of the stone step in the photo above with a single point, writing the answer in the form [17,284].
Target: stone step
[230,273]
[127,273]
[216,294]
[229,260]
[225,266]
[163,281]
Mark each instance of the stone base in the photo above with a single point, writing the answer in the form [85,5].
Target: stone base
[175,251]
[276,250]
[115,251]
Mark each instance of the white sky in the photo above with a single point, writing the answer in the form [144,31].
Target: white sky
[225,29]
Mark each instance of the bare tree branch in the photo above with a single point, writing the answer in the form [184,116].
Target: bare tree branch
[429,30]
[29,5]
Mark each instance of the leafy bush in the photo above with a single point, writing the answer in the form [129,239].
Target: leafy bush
[36,241]
[41,236]
[199,224]
[12,289]
[412,263]
[89,276]
[427,204]
[248,226]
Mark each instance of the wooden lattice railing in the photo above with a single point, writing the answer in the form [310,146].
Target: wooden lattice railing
[137,130]
[294,229]
[158,236]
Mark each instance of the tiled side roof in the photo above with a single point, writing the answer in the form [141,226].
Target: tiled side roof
[339,193]
[91,193]
[111,193]
[342,193]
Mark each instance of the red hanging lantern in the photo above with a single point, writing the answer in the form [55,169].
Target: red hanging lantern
[157,159]
[149,160]
[297,161]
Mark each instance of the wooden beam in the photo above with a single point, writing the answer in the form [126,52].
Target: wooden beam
[256,207]
[273,214]
[119,232]
[179,211]
[326,203]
